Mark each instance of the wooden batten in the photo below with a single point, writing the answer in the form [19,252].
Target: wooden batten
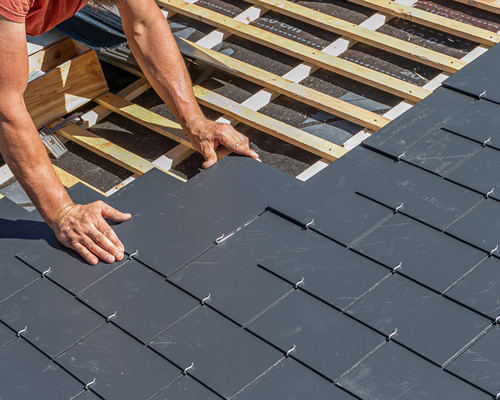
[363,35]
[65,88]
[337,65]
[488,5]
[431,20]
[299,92]
[271,126]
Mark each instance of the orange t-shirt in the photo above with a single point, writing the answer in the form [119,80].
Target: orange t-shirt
[39,15]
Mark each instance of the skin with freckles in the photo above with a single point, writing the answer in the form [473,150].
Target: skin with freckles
[82,227]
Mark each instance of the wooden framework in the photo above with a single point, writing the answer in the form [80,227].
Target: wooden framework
[55,59]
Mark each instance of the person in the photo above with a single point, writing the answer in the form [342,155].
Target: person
[82,227]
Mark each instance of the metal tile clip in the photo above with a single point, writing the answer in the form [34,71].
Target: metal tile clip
[205,299]
[219,239]
[46,272]
[187,369]
[497,320]
[481,94]
[111,316]
[397,267]
[131,256]
[497,397]
[309,223]
[90,383]
[299,283]
[398,208]
[490,192]
[401,155]
[486,142]
[22,331]
[392,334]
[289,351]
[495,249]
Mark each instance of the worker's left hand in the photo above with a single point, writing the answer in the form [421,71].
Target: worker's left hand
[206,136]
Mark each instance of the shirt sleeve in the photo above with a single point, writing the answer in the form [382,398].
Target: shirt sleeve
[14,10]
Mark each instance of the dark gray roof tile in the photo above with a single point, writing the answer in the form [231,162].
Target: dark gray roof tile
[145,304]
[226,358]
[480,227]
[325,339]
[47,311]
[480,363]
[394,373]
[425,197]
[292,381]
[426,322]
[330,271]
[480,290]
[426,255]
[28,374]
[122,367]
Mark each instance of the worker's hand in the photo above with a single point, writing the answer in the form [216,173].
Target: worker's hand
[207,135]
[83,229]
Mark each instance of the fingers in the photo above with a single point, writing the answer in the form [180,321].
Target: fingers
[85,230]
[112,213]
[238,143]
[210,157]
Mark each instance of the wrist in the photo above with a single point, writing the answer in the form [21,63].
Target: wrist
[56,216]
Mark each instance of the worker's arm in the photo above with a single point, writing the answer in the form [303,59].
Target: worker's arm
[154,47]
[80,227]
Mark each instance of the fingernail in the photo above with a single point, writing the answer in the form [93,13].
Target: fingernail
[258,159]
[119,255]
[93,261]
[110,259]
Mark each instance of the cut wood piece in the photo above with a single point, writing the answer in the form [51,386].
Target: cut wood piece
[69,180]
[301,93]
[431,20]
[335,64]
[64,89]
[49,58]
[488,5]
[363,35]
[37,43]
[271,126]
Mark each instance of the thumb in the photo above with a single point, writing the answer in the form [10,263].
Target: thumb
[210,157]
[113,214]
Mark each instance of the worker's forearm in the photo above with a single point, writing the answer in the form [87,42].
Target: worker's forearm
[25,154]
[156,51]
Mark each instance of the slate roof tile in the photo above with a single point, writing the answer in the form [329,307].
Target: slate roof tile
[426,322]
[394,373]
[226,357]
[144,303]
[480,363]
[330,271]
[122,367]
[27,373]
[47,311]
[480,289]
[325,339]
[425,254]
[480,227]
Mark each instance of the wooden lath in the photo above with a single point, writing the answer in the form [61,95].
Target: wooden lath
[431,20]
[300,92]
[363,35]
[337,65]
[488,5]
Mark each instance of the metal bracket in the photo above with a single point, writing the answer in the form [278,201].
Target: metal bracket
[50,140]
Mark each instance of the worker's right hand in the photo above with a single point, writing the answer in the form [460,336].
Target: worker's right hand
[83,229]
